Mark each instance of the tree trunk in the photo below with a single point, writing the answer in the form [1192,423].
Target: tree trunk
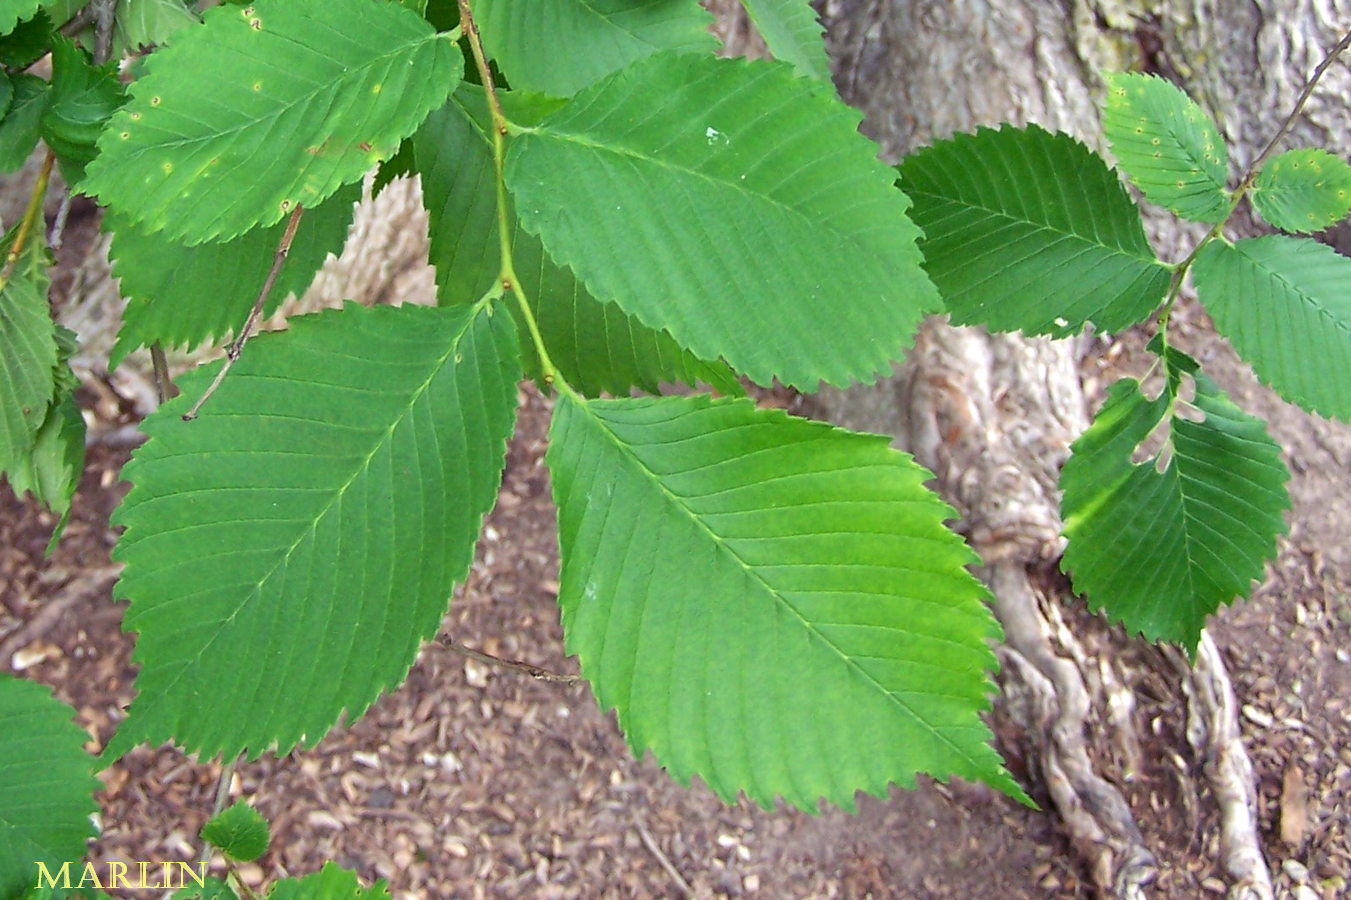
[993,415]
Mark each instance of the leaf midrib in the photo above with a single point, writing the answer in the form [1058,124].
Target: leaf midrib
[1137,254]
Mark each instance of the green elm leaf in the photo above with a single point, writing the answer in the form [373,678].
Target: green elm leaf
[51,473]
[1303,190]
[1169,147]
[46,785]
[1285,305]
[240,832]
[212,889]
[269,105]
[559,47]
[288,551]
[185,296]
[793,34]
[83,98]
[596,346]
[14,11]
[27,43]
[22,125]
[329,883]
[1026,230]
[1160,545]
[143,24]
[734,205]
[832,640]
[29,356]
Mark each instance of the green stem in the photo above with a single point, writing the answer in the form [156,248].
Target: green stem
[500,129]
[1245,184]
[30,216]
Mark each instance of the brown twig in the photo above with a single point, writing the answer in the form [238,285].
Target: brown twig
[56,237]
[534,672]
[105,12]
[237,345]
[54,609]
[1289,122]
[681,885]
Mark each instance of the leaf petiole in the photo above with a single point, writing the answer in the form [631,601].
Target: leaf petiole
[501,128]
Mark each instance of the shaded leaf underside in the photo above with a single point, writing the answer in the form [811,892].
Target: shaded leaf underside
[1161,551]
[186,296]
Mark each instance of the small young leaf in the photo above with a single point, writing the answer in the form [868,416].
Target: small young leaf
[28,356]
[240,832]
[1168,145]
[83,98]
[1285,305]
[596,346]
[213,889]
[288,551]
[1025,230]
[558,47]
[218,137]
[736,206]
[184,296]
[329,883]
[793,34]
[22,125]
[46,784]
[1303,190]
[832,640]
[1160,549]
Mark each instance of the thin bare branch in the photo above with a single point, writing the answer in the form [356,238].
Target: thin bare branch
[677,880]
[237,345]
[534,672]
[1290,120]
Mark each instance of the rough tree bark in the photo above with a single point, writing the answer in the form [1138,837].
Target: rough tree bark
[993,415]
